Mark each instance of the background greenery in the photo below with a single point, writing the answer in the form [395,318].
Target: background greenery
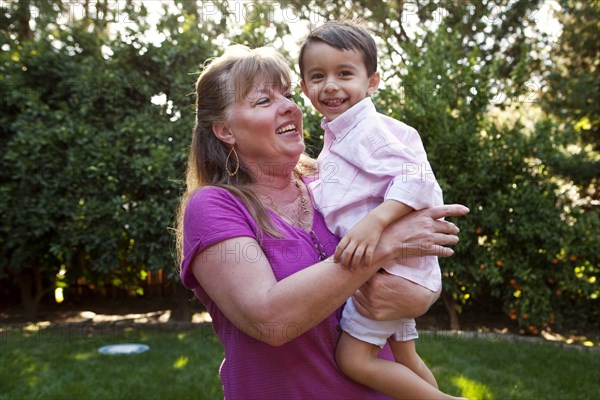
[96,116]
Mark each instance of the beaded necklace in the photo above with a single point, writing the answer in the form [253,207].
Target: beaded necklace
[302,221]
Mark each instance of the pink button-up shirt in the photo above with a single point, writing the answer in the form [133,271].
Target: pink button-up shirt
[367,158]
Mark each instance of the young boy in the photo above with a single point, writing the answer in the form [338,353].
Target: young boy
[372,170]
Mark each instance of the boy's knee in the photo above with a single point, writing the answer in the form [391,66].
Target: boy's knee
[348,363]
[343,360]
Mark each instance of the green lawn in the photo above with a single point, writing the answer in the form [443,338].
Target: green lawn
[63,363]
[497,369]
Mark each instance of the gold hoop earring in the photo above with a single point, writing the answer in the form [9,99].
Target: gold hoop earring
[237,163]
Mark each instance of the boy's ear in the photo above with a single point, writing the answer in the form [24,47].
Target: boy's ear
[223,133]
[304,88]
[373,82]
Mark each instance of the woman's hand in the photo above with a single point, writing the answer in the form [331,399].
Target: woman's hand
[388,297]
[420,233]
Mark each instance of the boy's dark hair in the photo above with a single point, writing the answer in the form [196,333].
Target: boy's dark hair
[343,35]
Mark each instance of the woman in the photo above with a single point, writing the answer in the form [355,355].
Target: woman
[258,255]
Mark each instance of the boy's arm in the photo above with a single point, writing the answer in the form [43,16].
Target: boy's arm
[359,243]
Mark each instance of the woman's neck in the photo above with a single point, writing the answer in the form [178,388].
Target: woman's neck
[275,182]
[278,187]
[288,198]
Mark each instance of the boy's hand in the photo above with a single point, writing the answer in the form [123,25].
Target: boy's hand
[358,245]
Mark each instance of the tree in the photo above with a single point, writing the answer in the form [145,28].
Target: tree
[109,116]
[572,96]
[90,175]
[571,131]
[446,66]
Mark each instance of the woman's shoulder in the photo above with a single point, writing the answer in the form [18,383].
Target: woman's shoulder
[207,196]
[210,193]
[213,202]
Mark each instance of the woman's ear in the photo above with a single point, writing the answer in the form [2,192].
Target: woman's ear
[223,133]
[373,83]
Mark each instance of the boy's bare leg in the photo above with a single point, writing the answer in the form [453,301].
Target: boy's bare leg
[358,360]
[406,354]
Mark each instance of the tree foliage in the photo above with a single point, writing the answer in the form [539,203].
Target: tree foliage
[522,249]
[572,97]
[95,124]
[506,242]
[92,167]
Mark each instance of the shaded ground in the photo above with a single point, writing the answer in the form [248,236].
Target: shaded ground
[97,316]
[139,311]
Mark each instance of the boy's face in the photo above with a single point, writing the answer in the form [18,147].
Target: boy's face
[334,80]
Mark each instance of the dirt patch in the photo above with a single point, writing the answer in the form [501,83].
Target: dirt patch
[97,317]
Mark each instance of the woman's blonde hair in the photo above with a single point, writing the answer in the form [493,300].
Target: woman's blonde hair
[224,81]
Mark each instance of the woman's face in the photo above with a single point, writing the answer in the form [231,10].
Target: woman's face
[266,126]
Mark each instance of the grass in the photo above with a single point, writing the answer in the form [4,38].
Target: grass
[491,369]
[62,362]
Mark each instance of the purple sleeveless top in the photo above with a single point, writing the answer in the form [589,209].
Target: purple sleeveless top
[303,368]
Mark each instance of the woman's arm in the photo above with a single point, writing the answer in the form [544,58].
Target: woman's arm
[389,297]
[250,296]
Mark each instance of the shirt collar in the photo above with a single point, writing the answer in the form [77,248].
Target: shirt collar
[342,125]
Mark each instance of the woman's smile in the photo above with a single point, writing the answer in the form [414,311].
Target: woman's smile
[287,129]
